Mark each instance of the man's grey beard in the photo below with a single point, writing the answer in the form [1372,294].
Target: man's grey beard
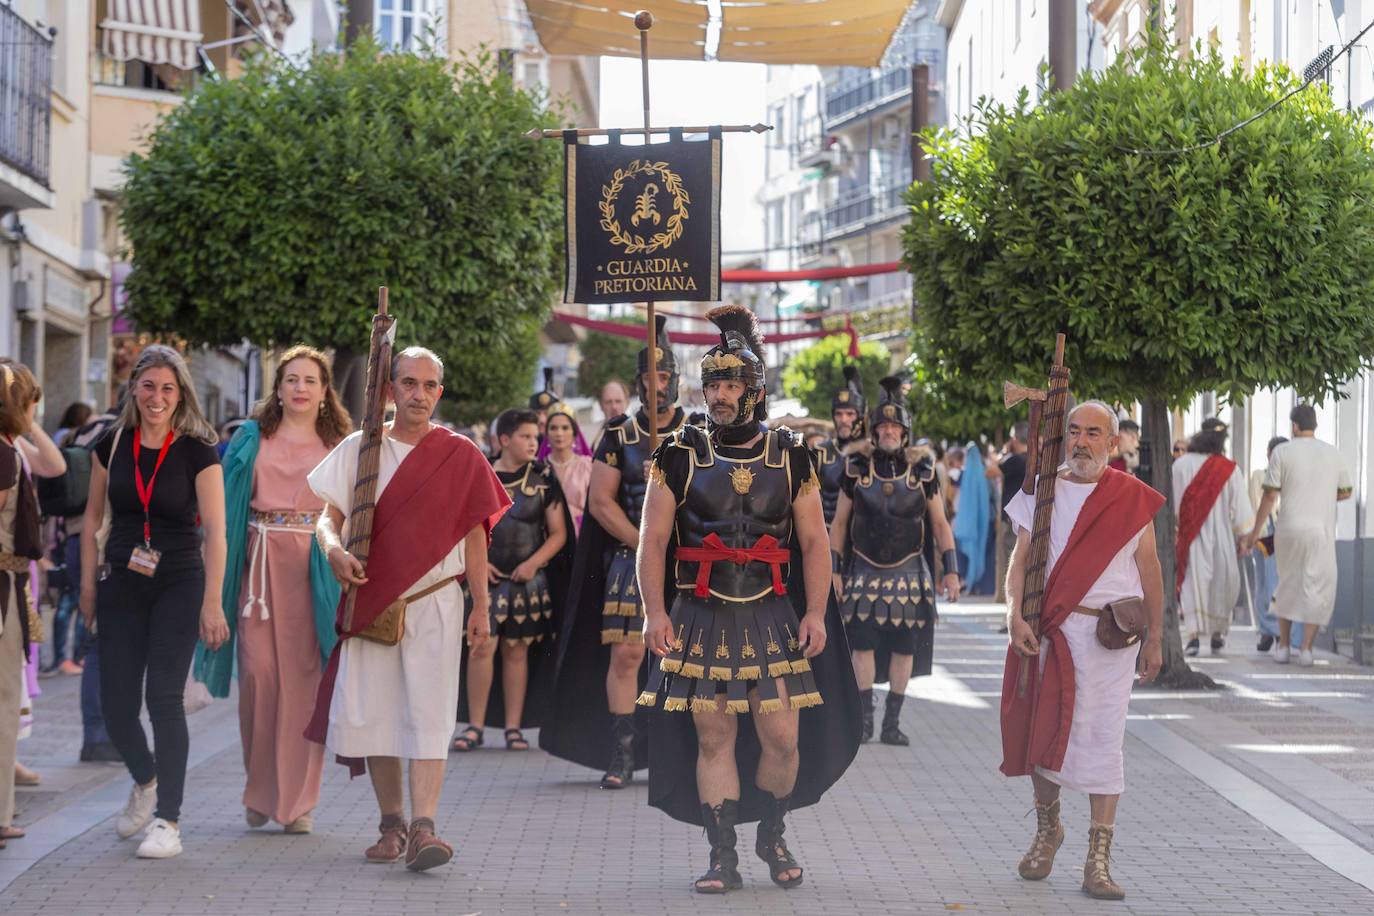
[1087,467]
[889,450]
[716,409]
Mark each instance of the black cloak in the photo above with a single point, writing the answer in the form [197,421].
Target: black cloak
[827,742]
[542,655]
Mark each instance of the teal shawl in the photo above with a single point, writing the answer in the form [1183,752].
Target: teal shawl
[214,669]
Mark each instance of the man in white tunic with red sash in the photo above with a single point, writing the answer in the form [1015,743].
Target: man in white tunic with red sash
[437,502]
[1068,726]
[1214,514]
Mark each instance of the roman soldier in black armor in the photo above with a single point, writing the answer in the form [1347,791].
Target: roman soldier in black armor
[847,413]
[528,564]
[889,505]
[601,660]
[753,692]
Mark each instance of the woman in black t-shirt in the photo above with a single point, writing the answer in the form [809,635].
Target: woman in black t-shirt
[158,590]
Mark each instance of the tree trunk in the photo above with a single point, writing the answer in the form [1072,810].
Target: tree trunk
[350,378]
[1156,466]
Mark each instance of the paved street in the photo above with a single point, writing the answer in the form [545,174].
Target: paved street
[1257,799]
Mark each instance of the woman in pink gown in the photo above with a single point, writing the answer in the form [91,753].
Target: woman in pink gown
[278,648]
[567,453]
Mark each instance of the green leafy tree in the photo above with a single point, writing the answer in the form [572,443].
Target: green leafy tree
[1226,267]
[816,373]
[947,405]
[606,357]
[272,206]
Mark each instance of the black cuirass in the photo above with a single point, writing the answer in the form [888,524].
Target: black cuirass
[830,457]
[888,520]
[740,500]
[521,531]
[634,442]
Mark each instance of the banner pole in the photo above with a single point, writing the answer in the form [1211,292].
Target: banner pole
[644,20]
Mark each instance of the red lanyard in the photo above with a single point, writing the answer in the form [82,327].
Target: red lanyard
[145,494]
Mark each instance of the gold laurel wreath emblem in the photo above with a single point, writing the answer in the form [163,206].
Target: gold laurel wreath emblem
[672,229]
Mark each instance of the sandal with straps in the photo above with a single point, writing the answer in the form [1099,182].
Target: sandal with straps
[515,740]
[470,739]
[770,846]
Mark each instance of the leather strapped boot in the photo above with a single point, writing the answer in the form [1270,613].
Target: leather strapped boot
[892,716]
[723,874]
[866,705]
[770,845]
[1097,878]
[1049,836]
[621,772]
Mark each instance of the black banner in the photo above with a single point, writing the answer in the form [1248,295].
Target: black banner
[642,223]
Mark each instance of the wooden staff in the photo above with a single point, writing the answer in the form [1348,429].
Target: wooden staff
[644,20]
[370,451]
[1047,453]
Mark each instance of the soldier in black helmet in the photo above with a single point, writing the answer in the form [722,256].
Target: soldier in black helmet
[601,666]
[541,401]
[754,693]
[847,413]
[889,504]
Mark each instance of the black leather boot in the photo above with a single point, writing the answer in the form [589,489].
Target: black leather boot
[621,772]
[772,848]
[866,704]
[720,831]
[892,717]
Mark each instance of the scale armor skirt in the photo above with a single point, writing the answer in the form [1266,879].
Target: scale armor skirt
[522,611]
[724,649]
[891,596]
[622,615]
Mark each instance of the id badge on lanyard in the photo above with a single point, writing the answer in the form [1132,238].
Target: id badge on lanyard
[144,559]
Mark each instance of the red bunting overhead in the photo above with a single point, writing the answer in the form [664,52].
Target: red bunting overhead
[819,273]
[636,331]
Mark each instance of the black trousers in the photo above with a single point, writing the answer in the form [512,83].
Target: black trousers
[149,627]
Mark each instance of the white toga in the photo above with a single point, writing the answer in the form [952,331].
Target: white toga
[1102,678]
[1308,472]
[1211,585]
[395,701]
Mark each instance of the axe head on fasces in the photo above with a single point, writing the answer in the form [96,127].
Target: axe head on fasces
[1013,394]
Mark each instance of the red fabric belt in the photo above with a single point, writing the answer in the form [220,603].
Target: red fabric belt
[765,550]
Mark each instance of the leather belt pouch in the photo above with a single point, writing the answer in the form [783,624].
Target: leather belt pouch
[1122,624]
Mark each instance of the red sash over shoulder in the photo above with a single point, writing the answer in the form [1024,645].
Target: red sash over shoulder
[1198,500]
[1035,727]
[442,490]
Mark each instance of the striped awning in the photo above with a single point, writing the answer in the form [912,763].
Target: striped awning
[835,33]
[153,31]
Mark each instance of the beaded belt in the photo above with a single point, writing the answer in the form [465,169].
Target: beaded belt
[280,518]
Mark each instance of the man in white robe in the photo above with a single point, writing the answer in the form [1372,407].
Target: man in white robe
[1312,476]
[390,702]
[1210,579]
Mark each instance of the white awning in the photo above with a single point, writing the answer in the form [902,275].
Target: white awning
[153,31]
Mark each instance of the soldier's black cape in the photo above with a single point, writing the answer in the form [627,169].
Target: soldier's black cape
[828,740]
[578,727]
[542,656]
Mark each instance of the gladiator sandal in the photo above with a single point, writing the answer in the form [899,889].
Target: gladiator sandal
[425,849]
[891,718]
[622,766]
[1049,836]
[720,831]
[866,705]
[770,845]
[392,844]
[1097,879]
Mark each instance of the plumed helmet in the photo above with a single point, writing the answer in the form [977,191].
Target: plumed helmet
[850,397]
[664,361]
[543,400]
[738,358]
[891,408]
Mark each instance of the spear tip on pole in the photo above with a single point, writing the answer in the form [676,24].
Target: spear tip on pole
[644,20]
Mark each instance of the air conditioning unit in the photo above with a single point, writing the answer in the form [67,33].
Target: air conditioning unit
[892,130]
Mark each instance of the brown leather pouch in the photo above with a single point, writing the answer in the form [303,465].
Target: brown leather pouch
[1122,624]
[388,626]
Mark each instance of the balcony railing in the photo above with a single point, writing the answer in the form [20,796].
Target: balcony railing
[861,206]
[135,74]
[854,97]
[25,96]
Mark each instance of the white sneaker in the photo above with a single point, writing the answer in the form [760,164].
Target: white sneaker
[1305,658]
[162,842]
[138,811]
[1281,654]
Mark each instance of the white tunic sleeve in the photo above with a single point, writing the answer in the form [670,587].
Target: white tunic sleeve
[333,478]
[1273,475]
[1021,510]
